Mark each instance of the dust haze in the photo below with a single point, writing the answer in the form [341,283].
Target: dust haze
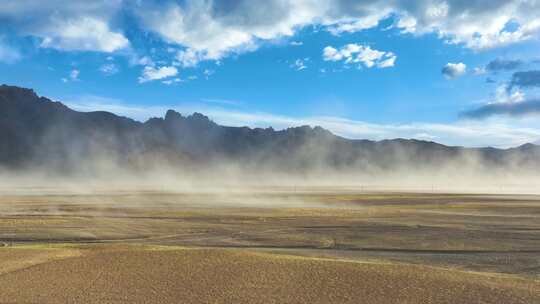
[198,213]
[102,170]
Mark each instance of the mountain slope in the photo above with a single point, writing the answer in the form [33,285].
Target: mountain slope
[37,132]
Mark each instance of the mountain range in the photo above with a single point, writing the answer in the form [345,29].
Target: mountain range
[36,132]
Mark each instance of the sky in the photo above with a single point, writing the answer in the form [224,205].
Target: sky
[456,72]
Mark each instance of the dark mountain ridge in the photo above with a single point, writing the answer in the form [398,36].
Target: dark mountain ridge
[38,132]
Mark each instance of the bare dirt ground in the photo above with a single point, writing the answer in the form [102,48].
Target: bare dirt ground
[134,274]
[279,246]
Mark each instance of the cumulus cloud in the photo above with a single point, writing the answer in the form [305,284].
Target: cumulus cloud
[213,29]
[66,25]
[507,103]
[360,54]
[509,99]
[454,70]
[197,26]
[85,34]
[502,95]
[473,23]
[151,73]
[189,58]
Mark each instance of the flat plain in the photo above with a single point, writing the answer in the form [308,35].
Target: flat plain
[323,245]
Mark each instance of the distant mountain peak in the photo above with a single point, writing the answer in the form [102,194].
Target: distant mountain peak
[527,146]
[36,130]
[172,115]
[199,117]
[196,119]
[12,91]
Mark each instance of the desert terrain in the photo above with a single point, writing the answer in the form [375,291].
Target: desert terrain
[272,245]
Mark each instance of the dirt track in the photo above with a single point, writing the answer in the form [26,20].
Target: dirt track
[135,274]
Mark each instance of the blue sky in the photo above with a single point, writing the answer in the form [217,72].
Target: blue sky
[448,71]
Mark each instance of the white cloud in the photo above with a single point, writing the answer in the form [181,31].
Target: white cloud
[388,62]
[369,19]
[74,75]
[491,132]
[207,73]
[454,70]
[86,34]
[189,58]
[172,81]
[145,60]
[479,71]
[359,54]
[474,24]
[502,95]
[505,102]
[8,54]
[195,28]
[151,73]
[331,54]
[299,64]
[226,102]
[109,69]
[214,29]
[75,25]
[296,43]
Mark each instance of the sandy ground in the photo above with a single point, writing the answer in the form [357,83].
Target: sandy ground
[21,258]
[135,274]
[492,233]
[269,247]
